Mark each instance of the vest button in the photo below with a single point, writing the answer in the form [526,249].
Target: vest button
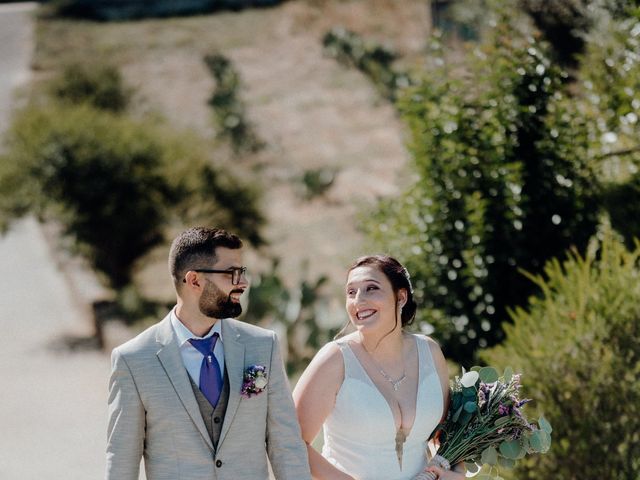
[218,463]
[216,420]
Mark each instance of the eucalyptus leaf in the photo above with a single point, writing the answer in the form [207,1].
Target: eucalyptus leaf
[488,374]
[470,407]
[456,415]
[506,462]
[545,425]
[510,449]
[546,441]
[476,368]
[469,379]
[465,417]
[508,374]
[469,392]
[489,456]
[471,467]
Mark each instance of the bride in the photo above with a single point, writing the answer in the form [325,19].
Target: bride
[379,392]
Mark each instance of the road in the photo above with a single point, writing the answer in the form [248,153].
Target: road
[53,401]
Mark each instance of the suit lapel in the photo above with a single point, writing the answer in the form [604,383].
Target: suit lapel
[169,356]
[234,363]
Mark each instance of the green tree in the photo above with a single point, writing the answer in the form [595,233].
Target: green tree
[502,181]
[578,346]
[114,184]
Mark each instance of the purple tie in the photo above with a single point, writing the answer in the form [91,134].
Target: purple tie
[210,376]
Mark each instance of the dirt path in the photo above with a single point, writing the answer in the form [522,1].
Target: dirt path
[53,402]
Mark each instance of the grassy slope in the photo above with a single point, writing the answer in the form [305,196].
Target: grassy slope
[311,111]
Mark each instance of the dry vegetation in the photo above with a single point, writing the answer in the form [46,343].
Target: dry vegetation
[311,111]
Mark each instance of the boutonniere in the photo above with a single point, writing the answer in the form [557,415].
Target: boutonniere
[255,380]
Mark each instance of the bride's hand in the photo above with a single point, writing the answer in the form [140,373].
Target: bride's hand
[445,474]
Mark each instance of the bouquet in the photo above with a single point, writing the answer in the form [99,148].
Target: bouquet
[485,424]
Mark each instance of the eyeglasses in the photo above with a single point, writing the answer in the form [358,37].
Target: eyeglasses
[235,272]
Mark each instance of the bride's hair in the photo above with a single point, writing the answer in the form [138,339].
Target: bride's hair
[399,278]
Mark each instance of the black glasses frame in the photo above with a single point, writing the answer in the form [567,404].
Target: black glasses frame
[236,273]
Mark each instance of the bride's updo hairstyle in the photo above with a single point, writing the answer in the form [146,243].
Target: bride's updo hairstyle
[398,276]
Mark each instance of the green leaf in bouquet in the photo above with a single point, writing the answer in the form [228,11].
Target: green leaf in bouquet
[484,476]
[545,425]
[501,421]
[506,462]
[511,449]
[489,456]
[508,374]
[540,441]
[469,379]
[465,417]
[456,415]
[470,407]
[476,368]
[469,392]
[471,467]
[488,375]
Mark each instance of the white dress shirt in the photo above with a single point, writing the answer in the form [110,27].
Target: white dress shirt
[191,357]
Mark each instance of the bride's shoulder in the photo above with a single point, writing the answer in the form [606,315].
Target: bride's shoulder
[326,370]
[428,340]
[329,356]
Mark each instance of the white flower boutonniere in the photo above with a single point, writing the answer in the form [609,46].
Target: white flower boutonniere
[255,380]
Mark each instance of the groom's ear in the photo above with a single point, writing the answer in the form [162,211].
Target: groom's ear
[191,279]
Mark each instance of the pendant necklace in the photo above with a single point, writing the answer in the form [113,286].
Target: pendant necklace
[394,383]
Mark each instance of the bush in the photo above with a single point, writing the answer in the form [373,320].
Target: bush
[302,311]
[502,181]
[99,85]
[578,346]
[375,61]
[114,184]
[229,110]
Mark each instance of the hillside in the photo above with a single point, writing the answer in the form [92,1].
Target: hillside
[310,111]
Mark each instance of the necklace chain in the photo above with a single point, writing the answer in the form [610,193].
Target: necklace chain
[394,383]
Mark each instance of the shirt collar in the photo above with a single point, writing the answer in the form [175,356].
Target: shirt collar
[184,334]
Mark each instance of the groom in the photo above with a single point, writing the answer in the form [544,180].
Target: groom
[200,395]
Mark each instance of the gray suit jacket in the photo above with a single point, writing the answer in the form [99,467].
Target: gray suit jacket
[154,414]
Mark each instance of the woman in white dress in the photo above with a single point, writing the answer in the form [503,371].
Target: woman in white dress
[379,392]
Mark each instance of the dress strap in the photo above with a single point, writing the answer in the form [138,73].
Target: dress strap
[352,367]
[427,365]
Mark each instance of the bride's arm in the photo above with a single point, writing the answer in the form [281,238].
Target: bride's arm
[458,471]
[314,397]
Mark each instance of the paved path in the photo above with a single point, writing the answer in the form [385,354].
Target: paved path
[52,402]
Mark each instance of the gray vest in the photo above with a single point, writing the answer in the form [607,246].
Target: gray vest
[213,417]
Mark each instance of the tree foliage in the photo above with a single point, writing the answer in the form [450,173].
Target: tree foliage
[578,345]
[500,184]
[115,184]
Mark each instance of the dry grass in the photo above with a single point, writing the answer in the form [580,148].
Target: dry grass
[311,111]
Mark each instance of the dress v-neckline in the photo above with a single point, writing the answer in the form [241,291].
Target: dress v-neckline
[375,387]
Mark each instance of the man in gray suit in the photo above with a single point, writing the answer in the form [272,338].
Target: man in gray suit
[200,395]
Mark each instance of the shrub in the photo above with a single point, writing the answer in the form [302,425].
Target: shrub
[501,181]
[301,310]
[578,345]
[99,85]
[375,61]
[114,184]
[229,110]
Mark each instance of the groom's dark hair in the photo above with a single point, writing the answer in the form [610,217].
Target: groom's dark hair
[196,247]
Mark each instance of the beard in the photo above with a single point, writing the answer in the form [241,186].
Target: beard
[215,304]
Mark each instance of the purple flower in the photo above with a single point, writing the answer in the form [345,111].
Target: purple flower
[503,410]
[254,381]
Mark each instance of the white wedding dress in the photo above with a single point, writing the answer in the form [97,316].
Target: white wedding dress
[360,432]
